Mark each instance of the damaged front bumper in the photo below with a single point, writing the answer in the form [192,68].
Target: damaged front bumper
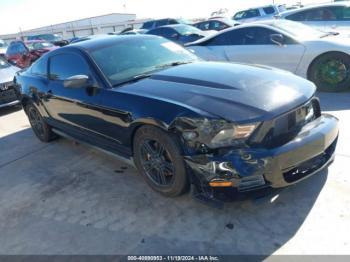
[250,169]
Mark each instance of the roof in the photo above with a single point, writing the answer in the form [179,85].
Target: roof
[305,8]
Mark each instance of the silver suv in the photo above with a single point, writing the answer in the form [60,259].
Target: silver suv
[263,12]
[333,17]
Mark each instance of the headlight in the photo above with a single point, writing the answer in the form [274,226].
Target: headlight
[213,133]
[229,136]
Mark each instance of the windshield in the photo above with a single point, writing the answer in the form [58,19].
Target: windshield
[188,30]
[126,59]
[50,37]
[39,45]
[298,30]
[3,64]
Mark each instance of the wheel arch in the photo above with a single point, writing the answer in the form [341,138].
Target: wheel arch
[319,56]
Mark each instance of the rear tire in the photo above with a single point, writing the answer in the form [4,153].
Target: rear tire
[158,158]
[331,72]
[41,129]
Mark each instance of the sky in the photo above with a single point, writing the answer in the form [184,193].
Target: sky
[29,14]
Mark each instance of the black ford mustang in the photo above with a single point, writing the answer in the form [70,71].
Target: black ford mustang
[179,120]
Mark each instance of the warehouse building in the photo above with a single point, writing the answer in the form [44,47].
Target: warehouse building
[114,22]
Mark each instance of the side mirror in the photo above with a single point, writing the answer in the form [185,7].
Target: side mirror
[77,81]
[277,39]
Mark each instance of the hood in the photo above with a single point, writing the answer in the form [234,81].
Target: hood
[7,74]
[235,92]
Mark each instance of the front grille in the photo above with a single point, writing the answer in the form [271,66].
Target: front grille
[286,127]
[7,93]
[309,166]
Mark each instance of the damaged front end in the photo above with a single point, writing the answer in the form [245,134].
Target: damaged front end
[246,157]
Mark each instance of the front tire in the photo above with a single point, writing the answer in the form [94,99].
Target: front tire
[158,158]
[41,129]
[331,72]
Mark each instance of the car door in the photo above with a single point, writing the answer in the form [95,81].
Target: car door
[74,107]
[253,45]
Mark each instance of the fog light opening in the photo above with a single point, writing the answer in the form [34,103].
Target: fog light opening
[220,183]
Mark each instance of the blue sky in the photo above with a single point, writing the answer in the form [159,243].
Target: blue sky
[29,14]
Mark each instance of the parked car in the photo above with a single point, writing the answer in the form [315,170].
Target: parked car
[133,32]
[259,13]
[40,46]
[19,54]
[325,17]
[323,58]
[179,33]
[3,48]
[90,37]
[23,54]
[178,119]
[161,22]
[216,24]
[8,94]
[52,38]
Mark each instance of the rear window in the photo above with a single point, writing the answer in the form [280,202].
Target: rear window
[269,10]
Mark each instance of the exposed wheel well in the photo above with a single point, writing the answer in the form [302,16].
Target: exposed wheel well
[319,56]
[138,126]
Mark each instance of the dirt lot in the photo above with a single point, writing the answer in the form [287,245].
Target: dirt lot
[64,198]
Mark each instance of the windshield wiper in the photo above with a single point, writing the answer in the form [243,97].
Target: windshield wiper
[133,79]
[174,64]
[330,33]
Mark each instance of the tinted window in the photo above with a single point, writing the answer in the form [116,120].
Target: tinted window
[203,26]
[40,67]
[162,22]
[147,25]
[165,32]
[63,66]
[247,14]
[269,10]
[319,14]
[244,36]
[217,25]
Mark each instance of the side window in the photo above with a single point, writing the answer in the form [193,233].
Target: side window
[246,36]
[251,13]
[168,32]
[345,13]
[317,14]
[300,16]
[204,26]
[172,22]
[217,25]
[162,22]
[269,10]
[233,37]
[40,67]
[63,66]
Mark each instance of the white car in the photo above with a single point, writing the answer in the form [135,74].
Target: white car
[325,17]
[321,57]
[259,13]
[3,47]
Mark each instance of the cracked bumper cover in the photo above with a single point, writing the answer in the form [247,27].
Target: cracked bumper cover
[254,168]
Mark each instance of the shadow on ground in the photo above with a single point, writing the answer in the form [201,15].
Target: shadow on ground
[9,110]
[334,101]
[64,198]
